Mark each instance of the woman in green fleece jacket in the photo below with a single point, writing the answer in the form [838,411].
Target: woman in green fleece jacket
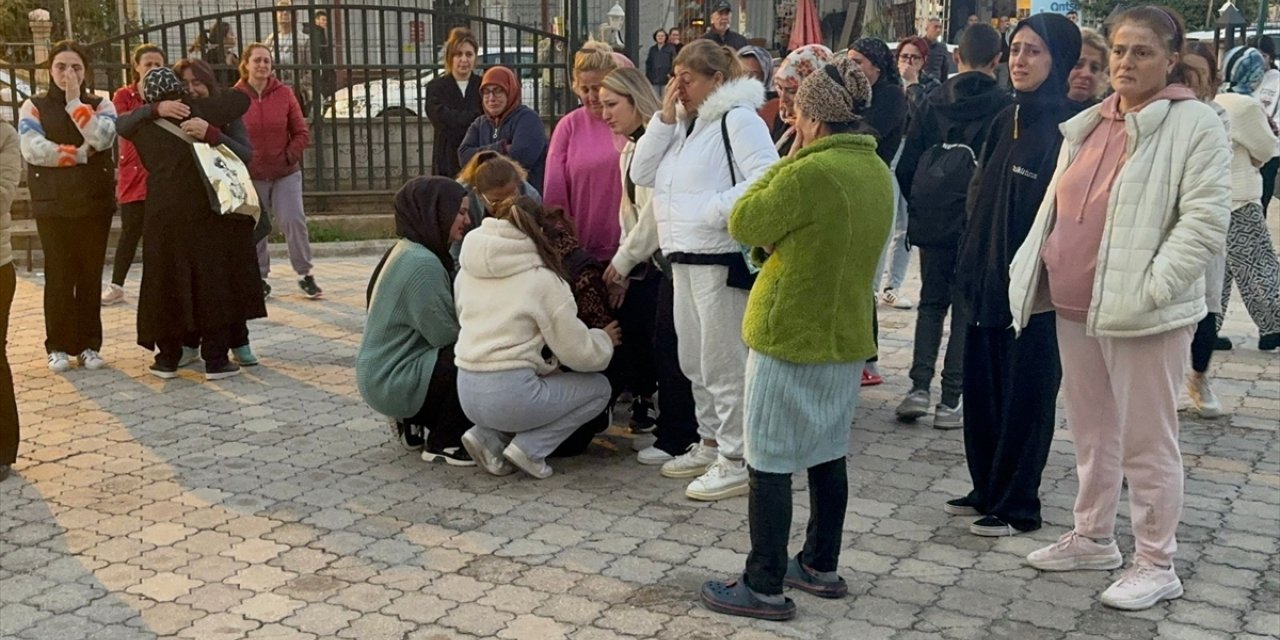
[809,327]
[405,368]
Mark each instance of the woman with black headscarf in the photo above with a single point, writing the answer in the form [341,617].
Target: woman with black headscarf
[887,113]
[199,276]
[1011,381]
[405,368]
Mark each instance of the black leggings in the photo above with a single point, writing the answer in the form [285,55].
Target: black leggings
[131,214]
[1202,343]
[769,515]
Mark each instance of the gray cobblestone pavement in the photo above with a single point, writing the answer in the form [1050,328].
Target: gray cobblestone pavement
[272,505]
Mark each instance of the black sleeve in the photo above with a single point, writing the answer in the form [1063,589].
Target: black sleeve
[921,134]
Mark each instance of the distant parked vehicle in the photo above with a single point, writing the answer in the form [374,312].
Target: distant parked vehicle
[407,95]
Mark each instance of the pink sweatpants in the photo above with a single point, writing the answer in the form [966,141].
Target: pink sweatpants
[1122,409]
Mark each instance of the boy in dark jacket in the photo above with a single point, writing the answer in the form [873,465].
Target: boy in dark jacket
[959,112]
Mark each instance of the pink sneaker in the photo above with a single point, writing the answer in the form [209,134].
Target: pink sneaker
[1142,586]
[1073,551]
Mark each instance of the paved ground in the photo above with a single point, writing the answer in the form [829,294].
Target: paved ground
[273,506]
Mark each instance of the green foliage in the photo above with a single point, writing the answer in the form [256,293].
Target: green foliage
[1199,14]
[92,20]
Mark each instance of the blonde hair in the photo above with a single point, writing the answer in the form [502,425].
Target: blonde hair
[1094,40]
[489,170]
[593,56]
[453,46]
[707,58]
[634,86]
[523,213]
[248,51]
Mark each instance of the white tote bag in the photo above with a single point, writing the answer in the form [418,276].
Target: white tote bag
[230,186]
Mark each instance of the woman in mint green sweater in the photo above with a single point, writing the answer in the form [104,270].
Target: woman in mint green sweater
[823,213]
[405,368]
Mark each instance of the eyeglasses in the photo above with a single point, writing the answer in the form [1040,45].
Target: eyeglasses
[910,57]
[493,91]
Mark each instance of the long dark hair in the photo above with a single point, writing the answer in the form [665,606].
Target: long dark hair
[522,212]
[202,71]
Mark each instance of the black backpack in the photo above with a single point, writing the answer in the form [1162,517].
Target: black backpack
[936,205]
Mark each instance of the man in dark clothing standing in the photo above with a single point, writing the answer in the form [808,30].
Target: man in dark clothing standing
[1011,380]
[960,112]
[322,52]
[939,60]
[719,31]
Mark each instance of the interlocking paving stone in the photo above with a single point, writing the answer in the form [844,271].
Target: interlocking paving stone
[272,506]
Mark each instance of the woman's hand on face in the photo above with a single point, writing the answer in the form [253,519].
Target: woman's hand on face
[615,332]
[195,127]
[172,109]
[669,101]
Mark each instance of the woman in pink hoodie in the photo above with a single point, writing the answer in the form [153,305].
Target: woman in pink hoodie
[1137,207]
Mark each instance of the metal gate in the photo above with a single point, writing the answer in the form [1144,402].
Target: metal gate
[363,79]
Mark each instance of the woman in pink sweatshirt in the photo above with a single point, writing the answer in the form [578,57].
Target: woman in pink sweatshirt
[583,175]
[1136,209]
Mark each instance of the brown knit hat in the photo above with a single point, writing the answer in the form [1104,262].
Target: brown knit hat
[834,93]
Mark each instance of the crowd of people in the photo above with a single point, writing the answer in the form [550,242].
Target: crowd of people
[711,250]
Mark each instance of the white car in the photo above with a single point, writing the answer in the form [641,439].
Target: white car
[407,95]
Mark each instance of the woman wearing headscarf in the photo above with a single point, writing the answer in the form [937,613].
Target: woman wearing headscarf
[758,64]
[405,368]
[507,126]
[199,272]
[1251,258]
[809,329]
[887,116]
[1010,380]
[786,82]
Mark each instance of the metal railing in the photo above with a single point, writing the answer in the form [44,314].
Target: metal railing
[363,88]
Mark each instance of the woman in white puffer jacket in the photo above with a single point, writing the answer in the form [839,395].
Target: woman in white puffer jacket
[696,180]
[1137,207]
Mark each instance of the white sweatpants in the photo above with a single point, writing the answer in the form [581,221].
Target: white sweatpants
[708,319]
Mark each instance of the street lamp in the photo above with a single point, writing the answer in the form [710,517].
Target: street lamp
[1230,20]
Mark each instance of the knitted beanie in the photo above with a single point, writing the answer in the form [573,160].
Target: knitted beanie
[835,93]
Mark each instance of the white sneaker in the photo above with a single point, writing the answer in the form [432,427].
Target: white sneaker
[1142,586]
[692,463]
[190,355]
[642,441]
[1203,399]
[90,359]
[891,298]
[487,452]
[653,456]
[536,467]
[1072,552]
[112,294]
[59,362]
[725,478]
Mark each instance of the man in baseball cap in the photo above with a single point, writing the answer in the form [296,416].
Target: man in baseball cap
[719,32]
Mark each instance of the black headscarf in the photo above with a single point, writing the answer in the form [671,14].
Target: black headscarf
[162,84]
[877,53]
[425,211]
[1062,36]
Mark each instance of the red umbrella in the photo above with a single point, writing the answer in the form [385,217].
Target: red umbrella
[805,29]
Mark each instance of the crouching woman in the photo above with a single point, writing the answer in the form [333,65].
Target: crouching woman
[513,297]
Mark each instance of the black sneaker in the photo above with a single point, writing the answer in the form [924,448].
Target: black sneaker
[220,371]
[309,287]
[1223,344]
[452,456]
[644,415]
[961,507]
[266,290]
[408,436]
[164,370]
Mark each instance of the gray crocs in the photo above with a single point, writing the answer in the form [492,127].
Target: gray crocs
[735,599]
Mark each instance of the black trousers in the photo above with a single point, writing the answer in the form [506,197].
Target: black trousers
[8,402]
[1202,343]
[677,423]
[1010,389]
[769,515]
[637,316]
[75,250]
[1269,182]
[214,344]
[937,277]
[127,243]
[238,336]
[441,415]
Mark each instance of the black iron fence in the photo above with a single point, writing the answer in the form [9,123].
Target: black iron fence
[361,73]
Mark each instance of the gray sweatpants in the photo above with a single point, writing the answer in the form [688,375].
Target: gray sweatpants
[283,198]
[536,413]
